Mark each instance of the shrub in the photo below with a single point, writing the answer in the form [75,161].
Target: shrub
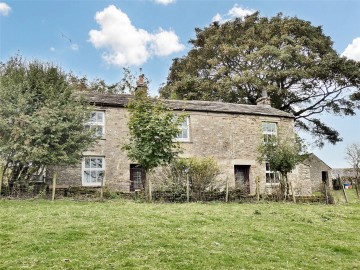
[202,174]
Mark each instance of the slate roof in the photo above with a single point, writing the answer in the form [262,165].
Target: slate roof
[120,100]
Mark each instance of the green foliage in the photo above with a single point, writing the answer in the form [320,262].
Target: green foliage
[127,84]
[202,173]
[290,58]
[282,154]
[41,122]
[153,128]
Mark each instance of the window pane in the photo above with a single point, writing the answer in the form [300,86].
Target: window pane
[86,176]
[137,180]
[99,131]
[87,163]
[267,166]
[100,117]
[100,176]
[93,117]
[93,176]
[184,130]
[99,163]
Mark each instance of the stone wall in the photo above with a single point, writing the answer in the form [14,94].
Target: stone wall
[317,166]
[232,139]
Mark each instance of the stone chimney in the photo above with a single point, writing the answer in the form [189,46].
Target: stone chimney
[141,85]
[264,100]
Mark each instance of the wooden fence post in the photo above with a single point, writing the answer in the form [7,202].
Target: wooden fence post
[2,169]
[227,190]
[187,188]
[257,188]
[343,189]
[150,190]
[356,188]
[326,193]
[102,188]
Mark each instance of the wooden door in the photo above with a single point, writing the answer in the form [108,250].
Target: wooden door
[137,178]
[242,179]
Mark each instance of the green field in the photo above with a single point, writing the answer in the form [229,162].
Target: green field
[119,234]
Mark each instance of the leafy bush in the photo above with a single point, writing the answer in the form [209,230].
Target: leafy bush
[202,173]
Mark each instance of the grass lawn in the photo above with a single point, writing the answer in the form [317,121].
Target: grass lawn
[118,234]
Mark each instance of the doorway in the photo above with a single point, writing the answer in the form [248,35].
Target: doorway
[137,177]
[242,179]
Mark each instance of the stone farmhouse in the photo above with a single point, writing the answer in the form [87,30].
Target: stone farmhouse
[230,133]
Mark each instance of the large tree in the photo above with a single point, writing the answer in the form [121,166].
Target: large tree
[41,121]
[290,58]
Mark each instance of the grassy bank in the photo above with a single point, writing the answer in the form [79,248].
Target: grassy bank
[127,235]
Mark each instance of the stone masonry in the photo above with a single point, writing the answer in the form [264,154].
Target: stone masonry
[231,133]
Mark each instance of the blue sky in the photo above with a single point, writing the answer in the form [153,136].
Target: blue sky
[97,38]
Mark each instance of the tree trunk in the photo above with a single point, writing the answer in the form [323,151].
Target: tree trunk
[53,186]
[286,185]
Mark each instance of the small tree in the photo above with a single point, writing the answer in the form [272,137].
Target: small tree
[352,155]
[283,155]
[153,128]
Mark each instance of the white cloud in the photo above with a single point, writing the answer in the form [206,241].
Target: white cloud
[127,45]
[235,12]
[74,47]
[52,49]
[4,9]
[352,51]
[165,43]
[240,12]
[217,18]
[164,2]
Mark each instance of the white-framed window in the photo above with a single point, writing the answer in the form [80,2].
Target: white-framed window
[93,170]
[184,134]
[271,176]
[97,121]
[269,130]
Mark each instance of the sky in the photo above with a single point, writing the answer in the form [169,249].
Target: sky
[97,39]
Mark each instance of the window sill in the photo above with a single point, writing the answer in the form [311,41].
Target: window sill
[272,184]
[91,185]
[183,141]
